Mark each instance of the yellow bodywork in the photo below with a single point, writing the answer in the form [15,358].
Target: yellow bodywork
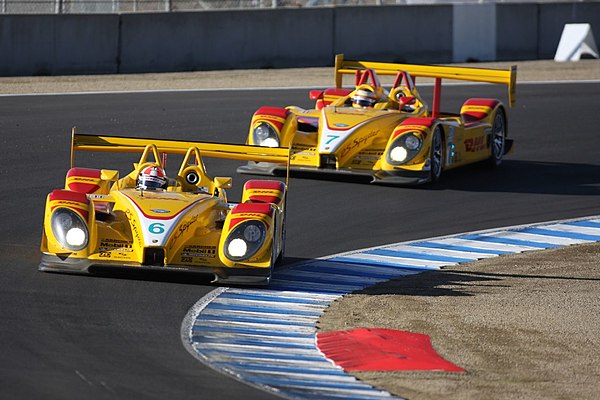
[338,137]
[182,227]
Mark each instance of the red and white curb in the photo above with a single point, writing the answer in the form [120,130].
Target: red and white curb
[267,338]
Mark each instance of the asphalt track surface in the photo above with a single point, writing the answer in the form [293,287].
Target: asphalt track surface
[118,336]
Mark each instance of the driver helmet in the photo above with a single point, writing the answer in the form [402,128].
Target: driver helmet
[152,178]
[364,98]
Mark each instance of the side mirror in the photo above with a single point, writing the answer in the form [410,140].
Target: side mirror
[315,94]
[222,182]
[406,100]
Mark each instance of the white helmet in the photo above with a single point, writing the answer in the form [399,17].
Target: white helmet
[152,178]
[364,98]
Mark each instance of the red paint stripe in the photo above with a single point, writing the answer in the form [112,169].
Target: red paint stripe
[482,102]
[264,184]
[274,111]
[68,195]
[474,116]
[409,125]
[257,208]
[83,187]
[76,197]
[426,122]
[264,199]
[382,350]
[249,208]
[85,172]
[337,92]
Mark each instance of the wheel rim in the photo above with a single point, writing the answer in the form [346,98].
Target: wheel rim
[436,155]
[498,137]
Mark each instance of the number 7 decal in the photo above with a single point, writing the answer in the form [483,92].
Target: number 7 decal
[331,138]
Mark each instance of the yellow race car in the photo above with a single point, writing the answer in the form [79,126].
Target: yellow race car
[148,220]
[391,135]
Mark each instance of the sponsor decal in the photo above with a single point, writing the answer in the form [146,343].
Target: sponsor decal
[475,144]
[358,142]
[160,210]
[340,125]
[134,228]
[108,244]
[182,229]
[199,251]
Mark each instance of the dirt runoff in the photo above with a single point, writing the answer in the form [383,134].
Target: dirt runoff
[264,78]
[522,326]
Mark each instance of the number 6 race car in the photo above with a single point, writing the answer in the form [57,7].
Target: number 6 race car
[392,136]
[146,220]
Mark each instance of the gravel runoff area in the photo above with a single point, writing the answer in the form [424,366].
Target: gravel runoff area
[522,326]
[260,78]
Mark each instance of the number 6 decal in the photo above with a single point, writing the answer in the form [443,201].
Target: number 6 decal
[157,228]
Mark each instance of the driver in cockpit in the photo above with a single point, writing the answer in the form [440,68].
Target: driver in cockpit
[364,98]
[152,178]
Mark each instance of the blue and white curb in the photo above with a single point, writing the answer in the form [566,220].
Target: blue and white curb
[267,338]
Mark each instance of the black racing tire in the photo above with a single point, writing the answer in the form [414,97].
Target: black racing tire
[437,154]
[282,253]
[498,138]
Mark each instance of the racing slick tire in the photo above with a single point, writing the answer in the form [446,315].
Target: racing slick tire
[283,234]
[498,139]
[437,154]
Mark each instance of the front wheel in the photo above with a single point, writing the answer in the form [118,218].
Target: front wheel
[498,138]
[437,154]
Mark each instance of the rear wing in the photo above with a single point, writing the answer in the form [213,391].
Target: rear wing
[506,77]
[120,144]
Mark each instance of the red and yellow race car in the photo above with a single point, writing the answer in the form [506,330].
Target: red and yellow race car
[392,135]
[147,220]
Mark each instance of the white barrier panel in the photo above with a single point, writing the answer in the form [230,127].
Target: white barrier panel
[576,40]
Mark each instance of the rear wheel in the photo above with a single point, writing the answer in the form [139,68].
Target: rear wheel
[437,154]
[498,138]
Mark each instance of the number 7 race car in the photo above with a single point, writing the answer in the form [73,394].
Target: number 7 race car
[392,136]
[146,220]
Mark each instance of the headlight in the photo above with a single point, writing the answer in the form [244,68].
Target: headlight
[265,135]
[69,229]
[412,142]
[245,240]
[404,148]
[398,154]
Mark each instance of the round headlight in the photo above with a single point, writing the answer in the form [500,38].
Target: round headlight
[252,233]
[262,131]
[270,142]
[404,148]
[412,142]
[245,240]
[69,229]
[264,135]
[237,248]
[75,237]
[398,154]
